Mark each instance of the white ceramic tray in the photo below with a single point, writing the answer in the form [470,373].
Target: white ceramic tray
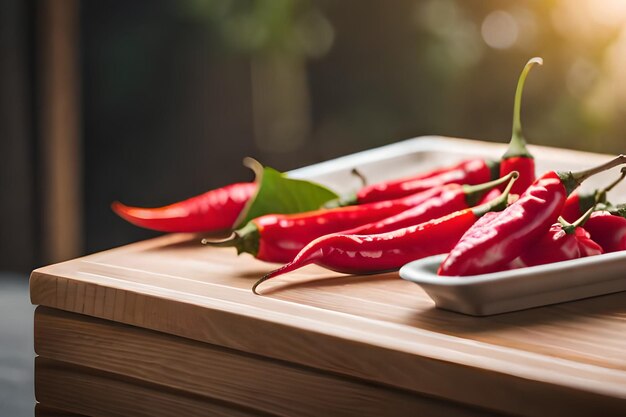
[492,293]
[501,292]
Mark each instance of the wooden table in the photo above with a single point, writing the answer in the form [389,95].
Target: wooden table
[168,327]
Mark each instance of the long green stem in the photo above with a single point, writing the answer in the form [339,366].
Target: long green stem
[517,145]
[601,194]
[599,197]
[230,241]
[571,180]
[587,200]
[570,228]
[500,202]
[474,193]
[245,239]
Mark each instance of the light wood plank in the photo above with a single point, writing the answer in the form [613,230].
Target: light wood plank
[99,394]
[376,328]
[269,386]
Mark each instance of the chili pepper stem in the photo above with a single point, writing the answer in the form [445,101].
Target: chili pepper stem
[229,241]
[601,194]
[348,199]
[517,145]
[473,193]
[569,228]
[360,176]
[571,180]
[499,202]
[245,239]
[599,197]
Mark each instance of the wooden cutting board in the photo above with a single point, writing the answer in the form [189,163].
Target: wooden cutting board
[563,359]
[77,354]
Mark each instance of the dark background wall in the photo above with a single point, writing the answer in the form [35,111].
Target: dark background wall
[19,222]
[166,118]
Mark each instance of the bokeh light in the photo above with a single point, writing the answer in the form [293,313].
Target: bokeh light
[500,30]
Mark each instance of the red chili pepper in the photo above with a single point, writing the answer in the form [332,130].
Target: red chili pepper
[358,254]
[471,172]
[517,157]
[456,198]
[608,229]
[564,241]
[212,211]
[279,237]
[489,247]
[578,203]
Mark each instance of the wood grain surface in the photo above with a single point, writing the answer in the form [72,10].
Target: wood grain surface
[564,358]
[100,394]
[43,411]
[270,386]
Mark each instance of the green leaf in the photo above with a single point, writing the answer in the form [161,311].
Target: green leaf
[281,195]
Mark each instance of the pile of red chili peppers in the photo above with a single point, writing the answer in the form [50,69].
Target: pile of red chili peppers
[528,232]
[487,215]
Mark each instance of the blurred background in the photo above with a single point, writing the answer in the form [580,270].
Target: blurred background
[149,102]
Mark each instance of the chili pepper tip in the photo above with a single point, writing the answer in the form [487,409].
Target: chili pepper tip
[256,284]
[282,270]
[263,279]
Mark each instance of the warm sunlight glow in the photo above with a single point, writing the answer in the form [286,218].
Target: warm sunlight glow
[607,12]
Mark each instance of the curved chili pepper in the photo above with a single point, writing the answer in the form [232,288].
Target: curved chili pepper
[490,246]
[368,254]
[564,241]
[578,203]
[279,237]
[212,211]
[458,197]
[471,172]
[517,157]
[608,229]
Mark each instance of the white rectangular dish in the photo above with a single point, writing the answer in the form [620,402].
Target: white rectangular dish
[519,289]
[491,293]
